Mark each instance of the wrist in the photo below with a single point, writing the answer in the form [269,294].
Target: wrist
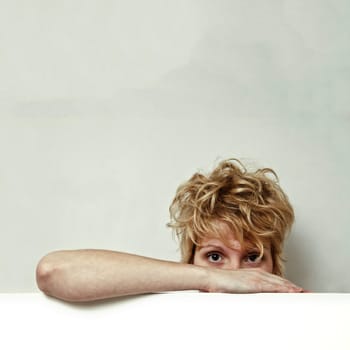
[201,278]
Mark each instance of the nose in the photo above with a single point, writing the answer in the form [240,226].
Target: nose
[234,262]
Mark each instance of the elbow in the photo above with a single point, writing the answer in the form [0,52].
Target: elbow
[45,274]
[53,277]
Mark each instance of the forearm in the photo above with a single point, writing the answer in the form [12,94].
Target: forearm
[84,275]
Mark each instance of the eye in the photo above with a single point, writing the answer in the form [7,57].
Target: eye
[214,257]
[252,258]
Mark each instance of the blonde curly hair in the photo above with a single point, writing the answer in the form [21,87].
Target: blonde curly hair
[252,204]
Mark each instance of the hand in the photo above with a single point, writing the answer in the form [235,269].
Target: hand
[248,281]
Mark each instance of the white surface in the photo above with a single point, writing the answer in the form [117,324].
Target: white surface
[178,321]
[107,106]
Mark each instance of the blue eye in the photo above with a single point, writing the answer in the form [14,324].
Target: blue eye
[214,257]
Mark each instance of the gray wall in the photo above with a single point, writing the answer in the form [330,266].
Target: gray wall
[106,106]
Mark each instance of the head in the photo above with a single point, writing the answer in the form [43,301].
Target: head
[236,207]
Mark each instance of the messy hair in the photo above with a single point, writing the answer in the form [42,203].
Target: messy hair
[252,204]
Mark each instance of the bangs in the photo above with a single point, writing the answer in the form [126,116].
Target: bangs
[228,231]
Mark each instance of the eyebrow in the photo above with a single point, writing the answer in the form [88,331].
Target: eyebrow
[247,249]
[216,246]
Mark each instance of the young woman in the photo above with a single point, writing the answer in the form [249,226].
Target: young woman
[231,224]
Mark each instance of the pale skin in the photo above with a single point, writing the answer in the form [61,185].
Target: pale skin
[86,275]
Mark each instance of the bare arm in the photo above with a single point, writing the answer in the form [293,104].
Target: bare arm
[84,275]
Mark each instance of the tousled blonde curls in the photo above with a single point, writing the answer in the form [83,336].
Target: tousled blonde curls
[252,204]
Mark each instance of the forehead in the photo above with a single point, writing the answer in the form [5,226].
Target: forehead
[223,232]
[217,242]
[225,235]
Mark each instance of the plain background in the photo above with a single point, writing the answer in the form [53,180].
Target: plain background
[107,106]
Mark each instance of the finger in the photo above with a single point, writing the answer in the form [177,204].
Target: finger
[277,284]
